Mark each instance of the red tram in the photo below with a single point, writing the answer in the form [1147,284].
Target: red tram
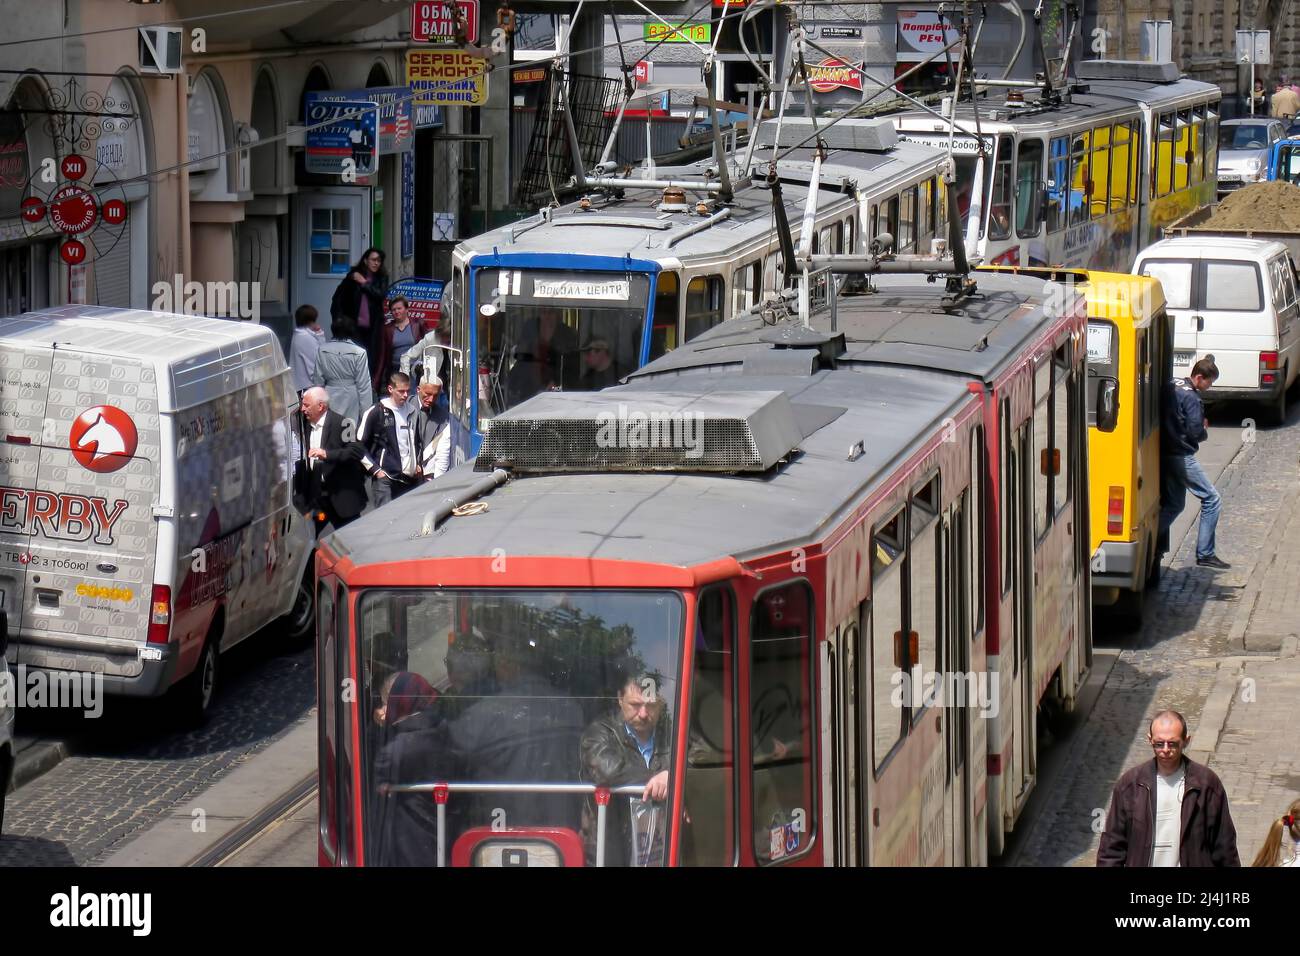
[820,581]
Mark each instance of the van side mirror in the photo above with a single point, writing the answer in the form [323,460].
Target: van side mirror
[1107,404]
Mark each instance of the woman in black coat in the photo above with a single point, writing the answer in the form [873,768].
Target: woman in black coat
[360,296]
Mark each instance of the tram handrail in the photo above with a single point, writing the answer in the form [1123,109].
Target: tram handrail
[442,791]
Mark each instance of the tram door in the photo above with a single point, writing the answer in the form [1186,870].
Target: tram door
[1016,500]
[959,694]
[840,715]
[1024,588]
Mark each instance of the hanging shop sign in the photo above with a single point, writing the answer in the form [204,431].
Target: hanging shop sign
[529,74]
[408,205]
[88,212]
[423,300]
[396,125]
[435,21]
[924,31]
[343,129]
[833,74]
[656,32]
[447,77]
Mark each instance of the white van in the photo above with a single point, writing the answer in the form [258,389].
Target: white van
[1234,299]
[8,750]
[145,515]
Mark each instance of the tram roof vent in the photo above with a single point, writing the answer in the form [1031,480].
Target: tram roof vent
[874,136]
[640,431]
[1140,71]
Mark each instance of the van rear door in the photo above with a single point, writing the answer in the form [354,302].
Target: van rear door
[1236,321]
[86,513]
[1179,278]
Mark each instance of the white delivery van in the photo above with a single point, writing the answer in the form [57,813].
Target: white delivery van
[8,692]
[1234,299]
[145,515]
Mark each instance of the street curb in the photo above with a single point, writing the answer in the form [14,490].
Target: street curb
[1215,712]
[38,760]
[237,796]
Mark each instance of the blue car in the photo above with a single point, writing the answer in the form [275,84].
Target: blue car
[1284,159]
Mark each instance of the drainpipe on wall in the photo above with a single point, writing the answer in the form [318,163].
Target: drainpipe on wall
[182,175]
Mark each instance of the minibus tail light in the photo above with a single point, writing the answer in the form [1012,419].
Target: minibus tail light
[1268,360]
[160,614]
[1115,510]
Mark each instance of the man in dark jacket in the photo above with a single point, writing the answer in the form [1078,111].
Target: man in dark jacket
[633,745]
[336,482]
[1182,429]
[1169,811]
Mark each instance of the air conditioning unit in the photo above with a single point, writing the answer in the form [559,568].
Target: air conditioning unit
[160,49]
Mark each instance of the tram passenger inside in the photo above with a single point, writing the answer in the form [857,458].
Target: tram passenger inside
[599,368]
[414,751]
[526,733]
[630,745]
[545,358]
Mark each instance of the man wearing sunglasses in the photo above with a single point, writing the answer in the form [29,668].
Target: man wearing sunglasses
[1169,811]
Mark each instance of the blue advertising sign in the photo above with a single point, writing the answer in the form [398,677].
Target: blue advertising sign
[408,205]
[396,125]
[423,300]
[345,129]
[427,116]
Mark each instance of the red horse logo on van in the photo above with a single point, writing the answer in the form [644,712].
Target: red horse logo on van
[103,439]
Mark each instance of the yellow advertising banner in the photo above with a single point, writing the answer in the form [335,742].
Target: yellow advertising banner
[447,77]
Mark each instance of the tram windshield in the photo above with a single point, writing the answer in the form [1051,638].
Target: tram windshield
[1288,163]
[551,330]
[521,702]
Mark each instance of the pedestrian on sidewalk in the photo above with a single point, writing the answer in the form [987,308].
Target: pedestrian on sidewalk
[1183,426]
[308,337]
[360,296]
[385,432]
[336,484]
[1170,811]
[1279,852]
[342,368]
[1285,103]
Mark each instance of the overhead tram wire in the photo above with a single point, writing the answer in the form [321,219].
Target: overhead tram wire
[174,21]
[158,174]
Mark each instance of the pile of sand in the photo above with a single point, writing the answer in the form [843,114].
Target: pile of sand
[1268,207]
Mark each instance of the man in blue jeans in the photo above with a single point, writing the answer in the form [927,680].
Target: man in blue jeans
[1182,429]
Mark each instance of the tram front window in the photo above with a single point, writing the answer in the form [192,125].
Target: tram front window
[541,330]
[522,702]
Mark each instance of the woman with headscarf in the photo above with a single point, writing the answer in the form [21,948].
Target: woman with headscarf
[412,750]
[360,296]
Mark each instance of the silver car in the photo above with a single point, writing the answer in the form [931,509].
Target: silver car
[1244,146]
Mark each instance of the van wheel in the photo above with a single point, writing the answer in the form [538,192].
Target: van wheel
[300,622]
[199,689]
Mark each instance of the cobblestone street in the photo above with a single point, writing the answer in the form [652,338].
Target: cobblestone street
[1218,647]
[130,767]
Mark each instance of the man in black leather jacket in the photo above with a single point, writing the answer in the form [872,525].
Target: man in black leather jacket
[1182,429]
[633,745]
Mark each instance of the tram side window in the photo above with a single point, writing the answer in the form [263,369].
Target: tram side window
[1099,173]
[1080,178]
[745,286]
[1162,153]
[780,719]
[663,323]
[887,638]
[887,219]
[1135,176]
[709,797]
[925,586]
[703,304]
[850,234]
[1062,418]
[1211,140]
[1058,183]
[1029,188]
[1000,212]
[1120,149]
[907,220]
[1198,143]
[1181,166]
[1041,462]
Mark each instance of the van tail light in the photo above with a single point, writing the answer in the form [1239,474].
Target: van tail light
[160,614]
[1268,364]
[1115,510]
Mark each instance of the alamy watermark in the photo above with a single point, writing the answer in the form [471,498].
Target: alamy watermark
[54,690]
[645,430]
[241,300]
[922,688]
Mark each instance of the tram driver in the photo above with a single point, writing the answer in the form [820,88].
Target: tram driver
[631,745]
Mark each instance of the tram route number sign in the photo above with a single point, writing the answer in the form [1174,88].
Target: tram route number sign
[447,77]
[435,21]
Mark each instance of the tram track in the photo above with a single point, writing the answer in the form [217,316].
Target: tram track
[257,827]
